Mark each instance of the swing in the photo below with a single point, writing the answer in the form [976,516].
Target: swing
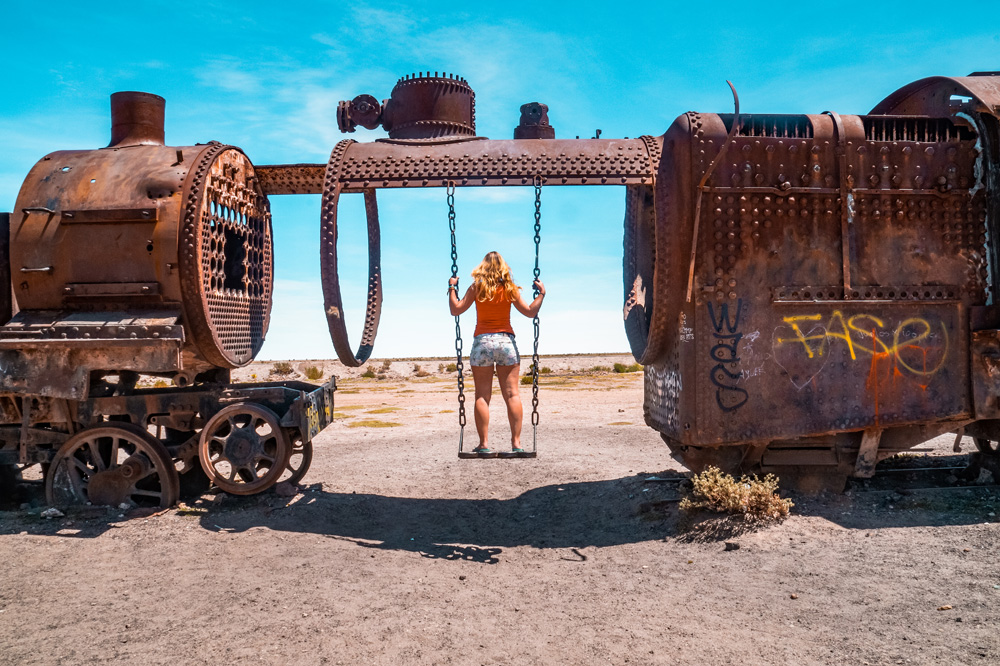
[462,453]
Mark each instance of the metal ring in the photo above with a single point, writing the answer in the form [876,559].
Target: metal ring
[333,303]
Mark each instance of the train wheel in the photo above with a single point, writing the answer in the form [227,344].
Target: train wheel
[243,449]
[299,458]
[194,481]
[112,465]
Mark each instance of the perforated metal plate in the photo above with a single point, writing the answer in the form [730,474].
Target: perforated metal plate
[227,257]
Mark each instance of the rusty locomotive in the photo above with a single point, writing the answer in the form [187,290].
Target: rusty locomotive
[811,294]
[143,259]
[808,294]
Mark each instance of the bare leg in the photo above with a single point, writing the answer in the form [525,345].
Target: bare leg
[482,377]
[509,380]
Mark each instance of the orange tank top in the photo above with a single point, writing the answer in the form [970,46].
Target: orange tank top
[493,316]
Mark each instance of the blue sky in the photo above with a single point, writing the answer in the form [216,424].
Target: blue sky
[267,77]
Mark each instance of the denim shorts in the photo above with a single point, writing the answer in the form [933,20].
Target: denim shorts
[494,348]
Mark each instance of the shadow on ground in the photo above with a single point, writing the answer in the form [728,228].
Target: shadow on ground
[612,512]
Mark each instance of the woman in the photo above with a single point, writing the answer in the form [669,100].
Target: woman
[493,291]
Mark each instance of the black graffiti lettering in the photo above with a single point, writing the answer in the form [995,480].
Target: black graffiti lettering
[728,395]
[720,376]
[727,398]
[732,358]
[723,318]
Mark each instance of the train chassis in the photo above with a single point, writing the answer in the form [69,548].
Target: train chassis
[147,447]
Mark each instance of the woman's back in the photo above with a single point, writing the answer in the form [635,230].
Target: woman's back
[493,315]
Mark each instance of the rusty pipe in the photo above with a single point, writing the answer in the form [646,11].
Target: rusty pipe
[472,163]
[136,119]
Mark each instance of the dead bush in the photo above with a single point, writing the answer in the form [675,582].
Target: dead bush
[622,368]
[282,368]
[756,500]
[313,373]
[451,367]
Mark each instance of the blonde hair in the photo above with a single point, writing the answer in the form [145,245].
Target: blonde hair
[492,278]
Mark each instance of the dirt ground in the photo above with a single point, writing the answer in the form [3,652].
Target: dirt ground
[396,552]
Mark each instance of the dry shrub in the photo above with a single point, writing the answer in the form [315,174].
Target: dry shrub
[451,367]
[599,368]
[313,373]
[622,368]
[282,368]
[526,380]
[756,500]
[545,370]
[422,373]
[368,374]
[386,364]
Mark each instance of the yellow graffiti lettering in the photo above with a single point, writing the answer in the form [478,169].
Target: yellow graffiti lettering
[914,344]
[911,338]
[869,332]
[843,334]
[799,336]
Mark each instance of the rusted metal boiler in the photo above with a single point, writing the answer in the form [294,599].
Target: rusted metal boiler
[142,258]
[810,294]
[182,233]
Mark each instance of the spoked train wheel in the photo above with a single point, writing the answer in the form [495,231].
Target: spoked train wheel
[112,465]
[299,457]
[243,449]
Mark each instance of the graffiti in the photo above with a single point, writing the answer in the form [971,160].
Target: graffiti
[726,372]
[686,332]
[914,347]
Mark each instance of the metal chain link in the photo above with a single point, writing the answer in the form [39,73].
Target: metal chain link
[458,328]
[534,355]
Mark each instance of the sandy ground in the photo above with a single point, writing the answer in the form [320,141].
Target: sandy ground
[396,552]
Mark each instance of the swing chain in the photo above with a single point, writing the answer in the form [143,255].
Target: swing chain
[537,272]
[458,327]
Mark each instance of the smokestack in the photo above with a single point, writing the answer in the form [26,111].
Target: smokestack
[136,119]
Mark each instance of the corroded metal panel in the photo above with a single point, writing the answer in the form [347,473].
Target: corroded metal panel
[796,369]
[834,265]
[383,164]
